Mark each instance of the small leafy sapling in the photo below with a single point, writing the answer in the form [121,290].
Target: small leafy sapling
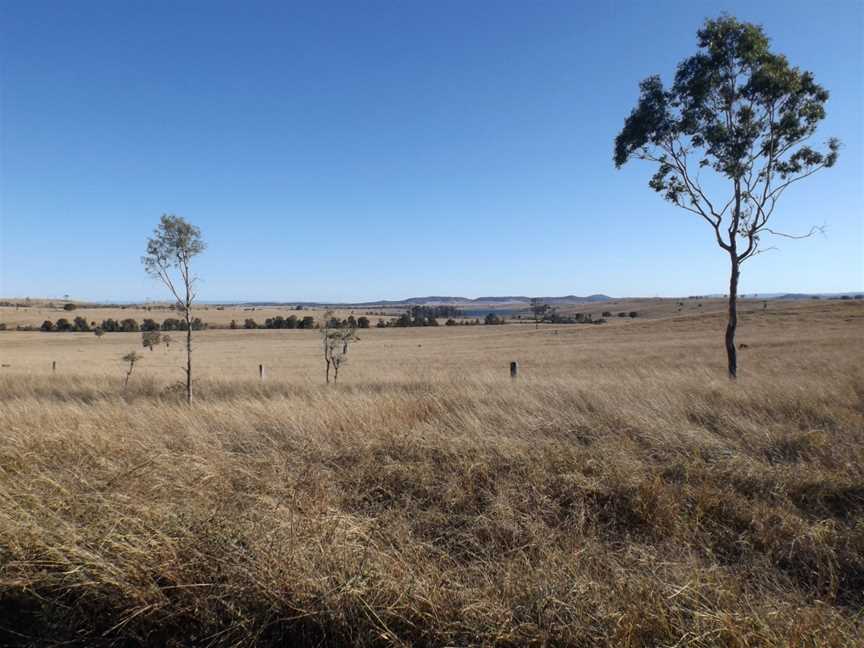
[170,251]
[335,342]
[132,357]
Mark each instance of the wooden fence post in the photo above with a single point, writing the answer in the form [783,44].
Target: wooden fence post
[261,372]
[53,366]
[514,369]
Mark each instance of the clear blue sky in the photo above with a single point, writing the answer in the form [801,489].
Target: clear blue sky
[360,150]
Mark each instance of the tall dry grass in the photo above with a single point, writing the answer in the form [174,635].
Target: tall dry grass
[650,506]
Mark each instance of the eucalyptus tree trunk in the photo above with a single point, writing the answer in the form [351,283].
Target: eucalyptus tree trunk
[732,324]
[189,353]
[187,312]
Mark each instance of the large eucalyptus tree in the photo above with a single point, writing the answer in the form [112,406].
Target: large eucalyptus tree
[743,114]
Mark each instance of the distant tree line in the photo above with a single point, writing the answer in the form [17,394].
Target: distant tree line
[422,316]
[349,322]
[278,322]
[552,315]
[128,325]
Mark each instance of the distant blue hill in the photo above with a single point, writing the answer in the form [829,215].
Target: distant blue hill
[448,300]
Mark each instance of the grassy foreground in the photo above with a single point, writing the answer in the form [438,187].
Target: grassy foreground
[654,509]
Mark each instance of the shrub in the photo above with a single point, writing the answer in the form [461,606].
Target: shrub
[150,339]
[2,326]
[81,324]
[250,323]
[69,307]
[150,325]
[363,322]
[622,314]
[607,313]
[492,318]
[450,322]
[110,325]
[634,314]
[63,325]
[233,325]
[171,324]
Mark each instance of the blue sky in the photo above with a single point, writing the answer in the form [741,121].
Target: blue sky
[363,150]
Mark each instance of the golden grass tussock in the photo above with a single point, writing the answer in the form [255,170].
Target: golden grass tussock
[642,500]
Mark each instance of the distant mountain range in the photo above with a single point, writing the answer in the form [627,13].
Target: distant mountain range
[450,300]
[520,300]
[839,295]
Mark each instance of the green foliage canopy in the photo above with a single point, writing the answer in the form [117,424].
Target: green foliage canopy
[743,112]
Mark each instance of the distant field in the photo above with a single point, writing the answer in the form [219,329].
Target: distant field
[621,492]
[221,316]
[668,338]
[35,315]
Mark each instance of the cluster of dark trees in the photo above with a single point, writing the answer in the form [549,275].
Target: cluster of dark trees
[174,324]
[63,324]
[128,325]
[550,314]
[416,317]
[349,323]
[626,314]
[435,311]
[422,316]
[553,316]
[278,322]
[405,320]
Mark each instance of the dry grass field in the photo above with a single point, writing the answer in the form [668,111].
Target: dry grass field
[621,492]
